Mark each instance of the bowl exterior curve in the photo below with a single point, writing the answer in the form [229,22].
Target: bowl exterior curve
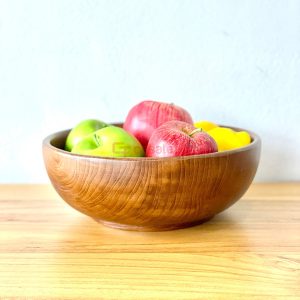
[150,194]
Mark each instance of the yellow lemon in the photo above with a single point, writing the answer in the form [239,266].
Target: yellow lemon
[244,137]
[205,125]
[227,138]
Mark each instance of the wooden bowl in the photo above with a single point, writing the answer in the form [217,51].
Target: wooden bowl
[150,194]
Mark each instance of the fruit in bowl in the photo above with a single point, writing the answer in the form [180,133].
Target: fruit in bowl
[110,141]
[150,193]
[176,138]
[148,115]
[205,125]
[226,138]
[81,130]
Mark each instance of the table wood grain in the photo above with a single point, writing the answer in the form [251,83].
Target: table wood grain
[50,251]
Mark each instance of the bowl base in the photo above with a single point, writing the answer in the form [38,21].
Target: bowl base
[152,228]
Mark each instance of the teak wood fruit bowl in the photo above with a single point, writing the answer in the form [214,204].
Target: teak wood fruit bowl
[150,194]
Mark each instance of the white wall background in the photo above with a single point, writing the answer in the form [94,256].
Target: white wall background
[232,62]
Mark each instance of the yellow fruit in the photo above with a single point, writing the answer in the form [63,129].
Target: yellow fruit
[244,137]
[205,125]
[228,139]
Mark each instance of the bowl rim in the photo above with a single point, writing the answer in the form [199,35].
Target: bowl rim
[255,141]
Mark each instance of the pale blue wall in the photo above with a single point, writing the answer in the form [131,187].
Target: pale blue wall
[233,62]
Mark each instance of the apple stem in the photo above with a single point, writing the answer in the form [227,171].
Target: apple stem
[195,130]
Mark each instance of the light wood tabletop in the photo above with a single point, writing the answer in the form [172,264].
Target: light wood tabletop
[50,251]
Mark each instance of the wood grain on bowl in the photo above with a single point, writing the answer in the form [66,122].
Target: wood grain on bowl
[147,193]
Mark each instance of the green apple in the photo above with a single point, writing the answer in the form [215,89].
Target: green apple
[81,130]
[109,141]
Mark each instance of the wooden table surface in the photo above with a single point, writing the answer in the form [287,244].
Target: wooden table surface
[50,251]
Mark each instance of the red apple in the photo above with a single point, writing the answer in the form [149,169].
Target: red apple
[176,138]
[146,116]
